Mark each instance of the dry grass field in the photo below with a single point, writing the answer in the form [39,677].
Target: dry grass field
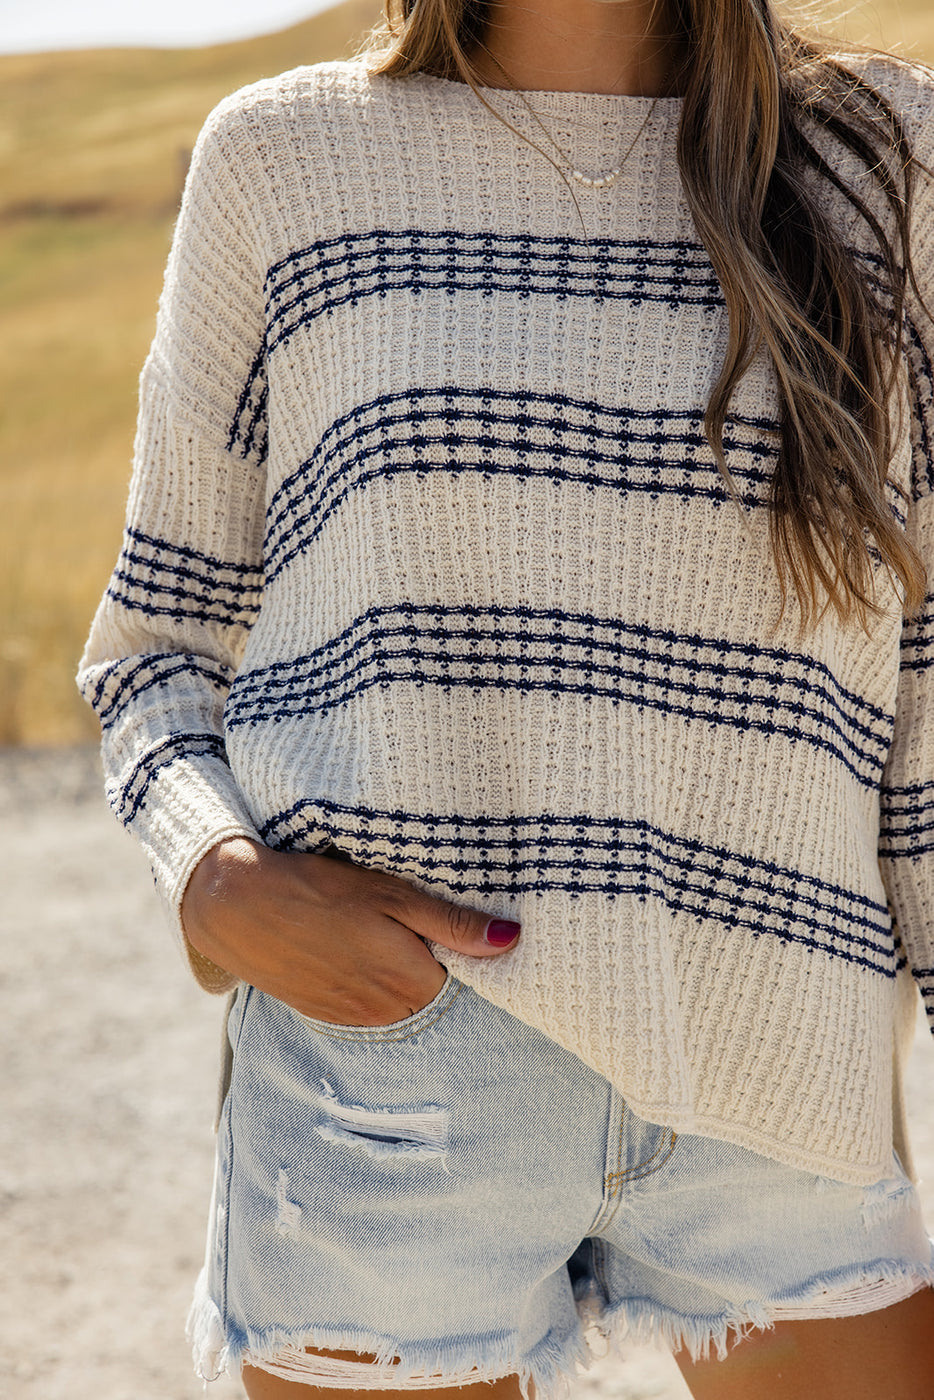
[93,151]
[93,148]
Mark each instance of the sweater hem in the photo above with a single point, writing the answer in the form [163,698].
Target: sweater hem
[764,1144]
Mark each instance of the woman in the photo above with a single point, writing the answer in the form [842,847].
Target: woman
[532,505]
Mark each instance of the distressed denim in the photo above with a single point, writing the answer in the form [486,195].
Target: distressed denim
[462,1199]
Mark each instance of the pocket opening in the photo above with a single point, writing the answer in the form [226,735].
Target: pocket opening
[419,1021]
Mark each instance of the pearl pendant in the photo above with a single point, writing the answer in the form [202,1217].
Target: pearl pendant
[597,182]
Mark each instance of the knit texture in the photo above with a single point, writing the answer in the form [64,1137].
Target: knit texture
[427,557]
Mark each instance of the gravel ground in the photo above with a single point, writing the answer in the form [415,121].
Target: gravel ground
[109,1054]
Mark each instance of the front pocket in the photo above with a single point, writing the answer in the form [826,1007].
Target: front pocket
[412,1025]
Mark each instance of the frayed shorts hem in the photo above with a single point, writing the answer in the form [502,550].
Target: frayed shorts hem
[853,1293]
[546,1372]
[556,1361]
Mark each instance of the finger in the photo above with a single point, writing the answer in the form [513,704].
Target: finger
[457,927]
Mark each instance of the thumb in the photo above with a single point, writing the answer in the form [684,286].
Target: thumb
[459,928]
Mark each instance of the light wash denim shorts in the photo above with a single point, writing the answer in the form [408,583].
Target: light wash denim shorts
[461,1199]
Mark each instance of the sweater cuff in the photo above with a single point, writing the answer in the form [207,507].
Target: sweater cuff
[188,803]
[207,974]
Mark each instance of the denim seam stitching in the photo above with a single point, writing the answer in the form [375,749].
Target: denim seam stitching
[413,1027]
[615,1179]
[618,1179]
[604,1214]
[228,1184]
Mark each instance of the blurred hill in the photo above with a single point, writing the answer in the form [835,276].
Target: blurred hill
[94,147]
[93,152]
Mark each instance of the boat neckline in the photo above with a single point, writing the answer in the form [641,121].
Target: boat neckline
[557,96]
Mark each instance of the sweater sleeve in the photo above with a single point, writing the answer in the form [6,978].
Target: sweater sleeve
[906,848]
[173,623]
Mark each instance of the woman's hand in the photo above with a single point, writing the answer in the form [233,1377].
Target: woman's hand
[335,941]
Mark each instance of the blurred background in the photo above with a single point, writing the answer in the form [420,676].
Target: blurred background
[94,147]
[107,1051]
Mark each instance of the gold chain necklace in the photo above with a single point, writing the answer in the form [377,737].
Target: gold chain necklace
[590,182]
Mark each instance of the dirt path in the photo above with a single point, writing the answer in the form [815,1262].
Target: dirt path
[109,1055]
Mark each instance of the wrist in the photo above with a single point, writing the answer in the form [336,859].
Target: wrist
[216,881]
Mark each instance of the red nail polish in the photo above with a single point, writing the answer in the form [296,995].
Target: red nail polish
[501,932]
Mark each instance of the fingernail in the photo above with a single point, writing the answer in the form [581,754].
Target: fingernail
[501,932]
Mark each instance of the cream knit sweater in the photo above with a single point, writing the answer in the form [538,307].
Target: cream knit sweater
[427,557]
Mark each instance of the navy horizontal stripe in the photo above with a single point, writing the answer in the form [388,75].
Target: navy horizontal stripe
[166,549]
[556,251]
[179,612]
[907,815]
[895,794]
[901,832]
[924,976]
[519,434]
[161,578]
[582,854]
[145,570]
[528,649]
[917,644]
[344,270]
[919,630]
[129,799]
[229,611]
[912,661]
[121,683]
[907,844]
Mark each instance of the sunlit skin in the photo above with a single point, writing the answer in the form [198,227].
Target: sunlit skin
[259,1385]
[610,46]
[623,46]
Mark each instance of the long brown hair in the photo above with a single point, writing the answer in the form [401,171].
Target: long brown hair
[791,284]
